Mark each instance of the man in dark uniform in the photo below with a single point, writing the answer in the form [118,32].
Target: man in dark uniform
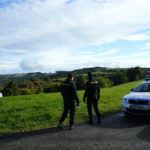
[69,93]
[92,92]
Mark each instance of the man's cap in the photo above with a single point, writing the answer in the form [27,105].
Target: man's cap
[90,74]
[70,75]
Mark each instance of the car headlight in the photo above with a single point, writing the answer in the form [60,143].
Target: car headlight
[125,100]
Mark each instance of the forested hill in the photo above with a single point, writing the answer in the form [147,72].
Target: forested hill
[102,71]
[4,79]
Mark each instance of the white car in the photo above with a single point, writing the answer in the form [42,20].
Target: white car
[138,101]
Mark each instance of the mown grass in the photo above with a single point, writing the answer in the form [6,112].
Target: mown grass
[32,112]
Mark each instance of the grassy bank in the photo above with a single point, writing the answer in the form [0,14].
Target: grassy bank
[31,112]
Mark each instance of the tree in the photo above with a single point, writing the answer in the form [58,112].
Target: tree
[135,73]
[102,82]
[80,82]
[1,89]
[119,78]
[11,89]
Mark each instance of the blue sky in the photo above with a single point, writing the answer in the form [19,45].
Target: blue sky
[48,35]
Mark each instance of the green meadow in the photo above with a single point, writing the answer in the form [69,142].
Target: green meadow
[40,111]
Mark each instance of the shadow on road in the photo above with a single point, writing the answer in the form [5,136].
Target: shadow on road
[15,136]
[120,121]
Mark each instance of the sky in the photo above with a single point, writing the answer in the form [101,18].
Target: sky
[51,35]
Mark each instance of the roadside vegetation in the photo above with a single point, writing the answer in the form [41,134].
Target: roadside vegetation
[39,111]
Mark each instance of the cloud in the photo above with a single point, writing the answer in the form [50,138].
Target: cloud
[30,64]
[147,46]
[40,25]
[55,31]
[136,37]
[6,66]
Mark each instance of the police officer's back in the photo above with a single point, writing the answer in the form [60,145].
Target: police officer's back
[92,92]
[69,93]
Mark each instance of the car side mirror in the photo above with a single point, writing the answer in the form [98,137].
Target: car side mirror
[132,89]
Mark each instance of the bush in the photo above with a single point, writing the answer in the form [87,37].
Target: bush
[1,89]
[11,89]
[80,82]
[109,82]
[119,78]
[51,87]
[135,73]
[102,81]
[25,91]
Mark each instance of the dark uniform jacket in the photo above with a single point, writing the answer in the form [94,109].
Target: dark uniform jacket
[92,89]
[69,91]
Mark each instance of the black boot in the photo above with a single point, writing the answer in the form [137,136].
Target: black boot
[99,120]
[71,126]
[60,126]
[90,122]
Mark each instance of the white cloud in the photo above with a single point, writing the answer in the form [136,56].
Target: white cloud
[31,64]
[136,37]
[51,29]
[46,24]
[147,46]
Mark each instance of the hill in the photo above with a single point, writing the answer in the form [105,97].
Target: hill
[4,79]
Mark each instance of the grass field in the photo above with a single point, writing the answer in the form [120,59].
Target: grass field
[32,112]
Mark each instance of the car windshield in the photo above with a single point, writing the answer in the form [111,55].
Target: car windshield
[144,87]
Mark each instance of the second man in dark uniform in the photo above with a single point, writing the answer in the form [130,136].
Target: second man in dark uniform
[92,92]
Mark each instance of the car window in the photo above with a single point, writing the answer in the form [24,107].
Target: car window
[145,87]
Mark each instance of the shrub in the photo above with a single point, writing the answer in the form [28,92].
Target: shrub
[25,91]
[102,81]
[11,89]
[80,82]
[119,78]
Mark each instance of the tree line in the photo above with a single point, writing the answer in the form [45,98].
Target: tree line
[36,85]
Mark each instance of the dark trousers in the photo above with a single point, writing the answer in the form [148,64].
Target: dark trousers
[68,107]
[93,101]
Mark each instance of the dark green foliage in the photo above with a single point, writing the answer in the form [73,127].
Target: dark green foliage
[38,89]
[1,89]
[11,89]
[80,82]
[110,83]
[119,78]
[25,91]
[51,87]
[102,81]
[134,74]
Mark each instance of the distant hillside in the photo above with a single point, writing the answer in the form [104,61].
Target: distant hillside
[4,79]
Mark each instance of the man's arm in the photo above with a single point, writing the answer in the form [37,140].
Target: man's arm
[98,91]
[61,90]
[75,94]
[85,93]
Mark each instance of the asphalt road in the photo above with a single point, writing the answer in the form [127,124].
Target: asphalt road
[115,133]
